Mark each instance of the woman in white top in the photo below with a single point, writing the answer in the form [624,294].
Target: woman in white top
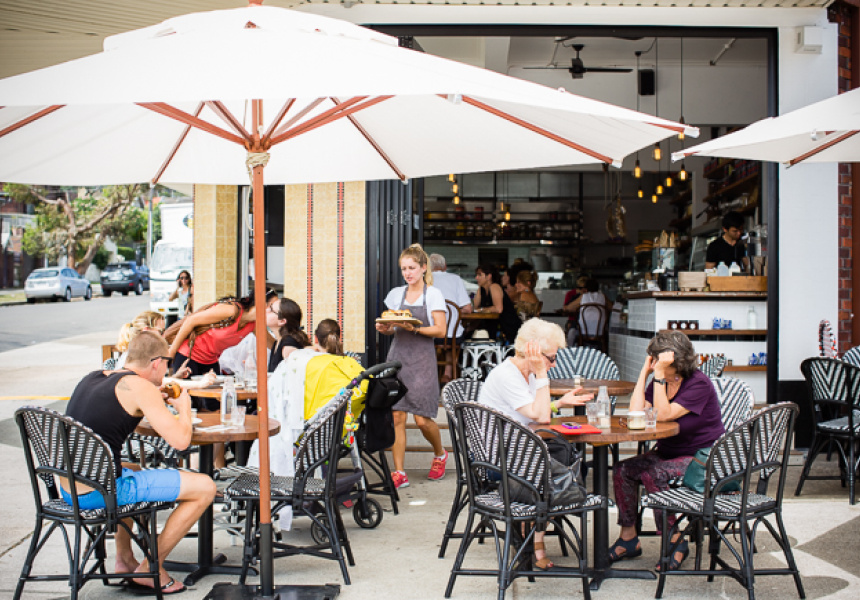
[182,292]
[519,387]
[413,347]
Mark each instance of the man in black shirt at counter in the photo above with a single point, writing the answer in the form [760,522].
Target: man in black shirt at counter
[729,248]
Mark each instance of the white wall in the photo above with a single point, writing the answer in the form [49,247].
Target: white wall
[808,214]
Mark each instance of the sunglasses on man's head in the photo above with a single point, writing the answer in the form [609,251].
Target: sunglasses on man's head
[165,358]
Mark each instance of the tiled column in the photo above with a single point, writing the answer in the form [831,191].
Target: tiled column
[324,262]
[215,242]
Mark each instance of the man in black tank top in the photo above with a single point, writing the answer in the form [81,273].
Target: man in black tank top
[112,403]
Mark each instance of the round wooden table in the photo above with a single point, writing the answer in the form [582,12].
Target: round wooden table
[616,434]
[478,316]
[559,387]
[214,391]
[206,562]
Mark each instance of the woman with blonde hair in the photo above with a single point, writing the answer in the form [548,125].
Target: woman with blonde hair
[414,348]
[148,320]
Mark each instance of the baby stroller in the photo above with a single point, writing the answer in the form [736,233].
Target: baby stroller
[362,443]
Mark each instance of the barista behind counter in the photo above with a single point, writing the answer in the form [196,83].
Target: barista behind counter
[729,248]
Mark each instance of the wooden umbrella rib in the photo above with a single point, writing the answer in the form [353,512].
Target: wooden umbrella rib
[176,147]
[539,130]
[278,118]
[34,117]
[295,119]
[822,147]
[375,145]
[675,128]
[219,109]
[329,116]
[183,117]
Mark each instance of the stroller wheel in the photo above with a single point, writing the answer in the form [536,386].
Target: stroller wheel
[318,533]
[372,516]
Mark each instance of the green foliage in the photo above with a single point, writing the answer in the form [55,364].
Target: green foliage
[102,258]
[126,252]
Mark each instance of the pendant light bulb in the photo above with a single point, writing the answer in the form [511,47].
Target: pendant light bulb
[455,188]
[659,190]
[668,181]
[456,199]
[682,174]
[507,216]
[451,177]
[654,199]
[658,153]
[640,193]
[681,134]
[637,170]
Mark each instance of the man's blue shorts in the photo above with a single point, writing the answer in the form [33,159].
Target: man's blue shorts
[148,485]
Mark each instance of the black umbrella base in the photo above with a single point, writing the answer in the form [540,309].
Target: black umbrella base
[234,591]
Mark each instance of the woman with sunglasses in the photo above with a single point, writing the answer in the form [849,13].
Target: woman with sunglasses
[183,293]
[519,388]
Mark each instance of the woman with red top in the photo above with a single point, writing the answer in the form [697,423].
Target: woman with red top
[204,335]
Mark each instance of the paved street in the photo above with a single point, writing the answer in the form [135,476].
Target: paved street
[26,325]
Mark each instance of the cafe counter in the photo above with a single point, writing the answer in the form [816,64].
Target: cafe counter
[650,312]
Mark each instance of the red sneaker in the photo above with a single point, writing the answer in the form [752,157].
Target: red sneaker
[437,469]
[399,479]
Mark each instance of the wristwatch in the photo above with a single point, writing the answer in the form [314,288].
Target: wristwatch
[662,381]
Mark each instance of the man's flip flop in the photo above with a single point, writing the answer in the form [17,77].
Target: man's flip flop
[142,590]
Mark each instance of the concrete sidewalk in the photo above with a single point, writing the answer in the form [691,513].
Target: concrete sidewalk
[398,559]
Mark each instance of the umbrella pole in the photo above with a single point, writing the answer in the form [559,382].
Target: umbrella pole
[267,566]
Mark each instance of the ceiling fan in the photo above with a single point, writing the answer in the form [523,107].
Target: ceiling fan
[577,69]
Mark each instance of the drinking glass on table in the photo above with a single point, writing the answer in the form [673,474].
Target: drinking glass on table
[237,417]
[591,411]
[650,417]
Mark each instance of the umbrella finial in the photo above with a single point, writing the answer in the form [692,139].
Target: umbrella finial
[255,2]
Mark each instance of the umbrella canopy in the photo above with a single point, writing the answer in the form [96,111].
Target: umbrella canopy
[388,112]
[210,97]
[822,132]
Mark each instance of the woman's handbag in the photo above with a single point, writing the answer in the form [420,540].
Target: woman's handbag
[694,476]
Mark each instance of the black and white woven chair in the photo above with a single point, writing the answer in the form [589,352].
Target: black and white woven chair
[310,496]
[59,446]
[852,357]
[455,392]
[736,405]
[494,445]
[714,366]
[834,388]
[751,454]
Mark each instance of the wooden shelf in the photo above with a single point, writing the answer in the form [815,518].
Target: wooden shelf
[746,181]
[744,368]
[719,331]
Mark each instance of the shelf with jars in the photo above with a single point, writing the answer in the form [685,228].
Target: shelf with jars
[555,227]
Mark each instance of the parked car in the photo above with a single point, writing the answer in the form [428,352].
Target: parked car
[56,283]
[125,277]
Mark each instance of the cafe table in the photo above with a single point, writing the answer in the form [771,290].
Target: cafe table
[207,563]
[248,398]
[600,442]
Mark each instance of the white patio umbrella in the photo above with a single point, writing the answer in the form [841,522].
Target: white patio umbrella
[825,131]
[210,97]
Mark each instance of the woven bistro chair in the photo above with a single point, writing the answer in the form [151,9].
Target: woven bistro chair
[493,444]
[449,342]
[852,357]
[59,446]
[455,392]
[736,406]
[751,455]
[834,388]
[714,366]
[307,494]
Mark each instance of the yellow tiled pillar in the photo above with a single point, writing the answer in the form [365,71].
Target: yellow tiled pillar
[324,262]
[215,242]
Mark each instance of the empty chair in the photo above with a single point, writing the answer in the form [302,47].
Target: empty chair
[714,366]
[448,352]
[589,363]
[459,390]
[496,446]
[593,319]
[834,388]
[59,446]
[308,495]
[826,340]
[749,456]
[852,356]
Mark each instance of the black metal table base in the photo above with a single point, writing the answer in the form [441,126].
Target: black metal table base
[196,571]
[600,576]
[233,591]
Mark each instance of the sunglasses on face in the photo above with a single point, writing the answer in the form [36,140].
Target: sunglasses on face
[551,358]
[164,358]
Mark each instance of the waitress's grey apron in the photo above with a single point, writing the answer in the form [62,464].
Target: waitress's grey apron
[417,354]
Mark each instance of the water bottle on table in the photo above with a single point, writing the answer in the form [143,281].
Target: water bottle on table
[604,408]
[228,401]
[250,371]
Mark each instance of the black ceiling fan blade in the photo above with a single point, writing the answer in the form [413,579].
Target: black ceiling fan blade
[607,70]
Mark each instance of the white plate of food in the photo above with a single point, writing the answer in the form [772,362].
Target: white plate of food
[215,378]
[398,316]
